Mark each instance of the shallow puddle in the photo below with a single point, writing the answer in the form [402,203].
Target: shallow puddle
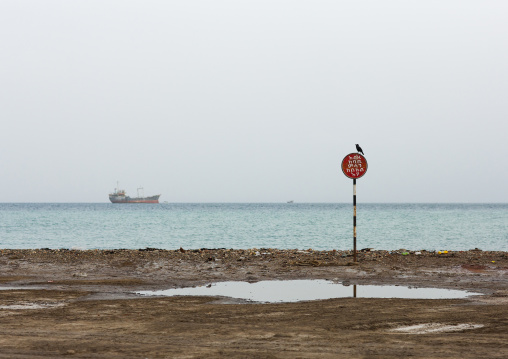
[304,290]
[20,288]
[435,328]
[23,306]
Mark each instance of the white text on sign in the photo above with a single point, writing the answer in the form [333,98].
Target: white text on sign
[355,165]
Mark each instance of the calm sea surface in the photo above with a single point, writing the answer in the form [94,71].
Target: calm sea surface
[284,226]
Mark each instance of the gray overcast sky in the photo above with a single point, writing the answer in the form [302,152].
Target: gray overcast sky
[253,101]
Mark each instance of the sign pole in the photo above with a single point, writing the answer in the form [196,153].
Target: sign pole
[354,219]
[354,166]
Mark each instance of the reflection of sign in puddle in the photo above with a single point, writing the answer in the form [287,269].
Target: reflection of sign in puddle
[302,290]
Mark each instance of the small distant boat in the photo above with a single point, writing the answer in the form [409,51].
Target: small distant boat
[291,201]
[119,196]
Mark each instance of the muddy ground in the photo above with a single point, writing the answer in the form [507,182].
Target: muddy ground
[82,304]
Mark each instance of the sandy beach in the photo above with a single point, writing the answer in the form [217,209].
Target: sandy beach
[82,304]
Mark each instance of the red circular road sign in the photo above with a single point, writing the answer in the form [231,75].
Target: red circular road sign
[354,165]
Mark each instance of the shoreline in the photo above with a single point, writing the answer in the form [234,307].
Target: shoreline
[156,266]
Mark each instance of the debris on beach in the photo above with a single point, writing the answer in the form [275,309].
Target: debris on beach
[132,258]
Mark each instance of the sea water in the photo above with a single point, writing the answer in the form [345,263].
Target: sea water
[254,225]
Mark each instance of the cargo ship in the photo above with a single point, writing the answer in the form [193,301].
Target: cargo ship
[118,196]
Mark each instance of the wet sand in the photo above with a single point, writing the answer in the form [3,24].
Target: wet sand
[81,303]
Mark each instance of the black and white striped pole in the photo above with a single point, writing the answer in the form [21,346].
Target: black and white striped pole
[354,166]
[354,219]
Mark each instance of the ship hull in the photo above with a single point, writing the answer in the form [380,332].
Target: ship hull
[127,199]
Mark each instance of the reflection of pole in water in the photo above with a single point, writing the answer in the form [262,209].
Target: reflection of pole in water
[354,290]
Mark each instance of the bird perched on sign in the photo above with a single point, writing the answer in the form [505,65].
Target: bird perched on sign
[359,149]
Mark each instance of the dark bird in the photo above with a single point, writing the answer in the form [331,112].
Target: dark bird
[359,149]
